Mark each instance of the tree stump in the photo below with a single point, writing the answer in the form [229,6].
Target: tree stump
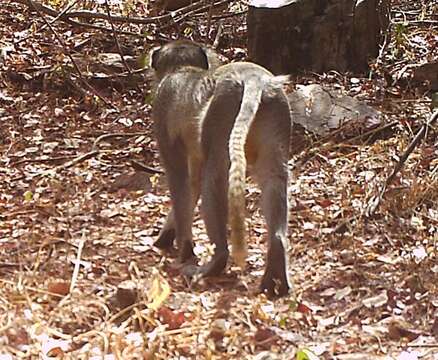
[316,35]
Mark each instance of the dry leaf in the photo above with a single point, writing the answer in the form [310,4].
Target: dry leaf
[60,287]
[158,292]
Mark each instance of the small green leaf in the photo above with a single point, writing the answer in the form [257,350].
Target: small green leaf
[293,305]
[283,322]
[434,104]
[143,61]
[306,354]
[148,98]
[28,195]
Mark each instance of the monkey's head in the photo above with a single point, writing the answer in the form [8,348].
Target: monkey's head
[171,56]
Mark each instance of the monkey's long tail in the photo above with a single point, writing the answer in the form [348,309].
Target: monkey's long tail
[252,93]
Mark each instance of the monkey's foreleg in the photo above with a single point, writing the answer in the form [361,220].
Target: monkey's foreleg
[167,234]
[215,211]
[174,157]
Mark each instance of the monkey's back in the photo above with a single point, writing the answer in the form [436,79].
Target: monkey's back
[183,94]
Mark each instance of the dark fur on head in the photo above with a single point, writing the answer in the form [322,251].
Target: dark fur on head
[174,55]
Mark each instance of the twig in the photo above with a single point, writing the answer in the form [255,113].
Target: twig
[166,19]
[111,135]
[63,166]
[8,264]
[31,288]
[202,8]
[102,28]
[75,274]
[188,329]
[124,311]
[94,91]
[135,164]
[76,161]
[37,160]
[210,13]
[122,19]
[420,135]
[373,131]
[416,22]
[224,16]
[218,35]
[116,40]
[139,166]
[18,213]
[375,201]
[64,11]
[7,325]
[423,345]
[30,249]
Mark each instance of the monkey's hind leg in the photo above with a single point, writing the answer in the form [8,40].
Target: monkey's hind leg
[273,177]
[218,121]
[272,139]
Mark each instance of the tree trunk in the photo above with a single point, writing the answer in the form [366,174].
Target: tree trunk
[317,35]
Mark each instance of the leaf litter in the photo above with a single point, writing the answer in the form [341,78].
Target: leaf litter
[80,278]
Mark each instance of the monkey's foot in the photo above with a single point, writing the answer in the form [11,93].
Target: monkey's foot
[275,282]
[214,267]
[165,239]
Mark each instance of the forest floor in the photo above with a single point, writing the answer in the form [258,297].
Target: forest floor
[79,275]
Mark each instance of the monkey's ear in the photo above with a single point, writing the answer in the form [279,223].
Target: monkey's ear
[203,58]
[154,54]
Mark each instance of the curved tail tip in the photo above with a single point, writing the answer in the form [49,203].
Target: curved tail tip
[239,256]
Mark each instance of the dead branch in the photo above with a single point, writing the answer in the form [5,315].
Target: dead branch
[67,8]
[375,201]
[420,135]
[116,40]
[85,14]
[88,155]
[49,11]
[373,131]
[40,160]
[434,345]
[218,35]
[123,74]
[112,135]
[65,166]
[61,41]
[75,274]
[135,164]
[196,10]
[141,167]
[416,22]
[224,16]
[103,28]
[77,160]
